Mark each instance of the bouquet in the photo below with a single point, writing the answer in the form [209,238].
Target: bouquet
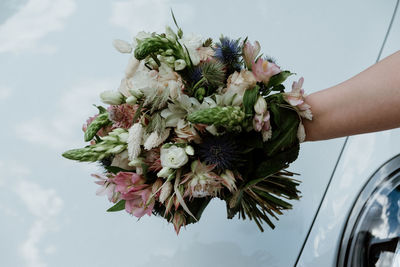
[192,120]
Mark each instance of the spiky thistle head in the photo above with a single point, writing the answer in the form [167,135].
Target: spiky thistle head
[229,52]
[220,151]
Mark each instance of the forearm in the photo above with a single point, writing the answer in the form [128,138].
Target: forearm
[368,102]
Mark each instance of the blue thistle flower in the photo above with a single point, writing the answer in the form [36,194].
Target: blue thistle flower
[229,52]
[196,74]
[221,151]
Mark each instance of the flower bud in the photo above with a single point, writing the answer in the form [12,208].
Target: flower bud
[170,34]
[189,150]
[136,162]
[136,93]
[164,172]
[131,100]
[178,221]
[261,105]
[122,46]
[112,97]
[165,191]
[169,52]
[179,64]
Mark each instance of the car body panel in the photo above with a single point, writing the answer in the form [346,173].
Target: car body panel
[362,156]
[327,42]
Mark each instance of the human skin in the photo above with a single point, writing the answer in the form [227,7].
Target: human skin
[368,102]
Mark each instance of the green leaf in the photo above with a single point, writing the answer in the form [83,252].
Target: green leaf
[279,78]
[276,201]
[99,122]
[249,99]
[115,170]
[286,122]
[279,87]
[101,109]
[274,164]
[117,207]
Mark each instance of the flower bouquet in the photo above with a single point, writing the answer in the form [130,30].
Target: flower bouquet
[192,120]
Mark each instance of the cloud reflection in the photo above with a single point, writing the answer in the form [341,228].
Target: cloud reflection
[32,22]
[44,205]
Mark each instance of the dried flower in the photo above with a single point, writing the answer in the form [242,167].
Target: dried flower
[122,115]
[135,140]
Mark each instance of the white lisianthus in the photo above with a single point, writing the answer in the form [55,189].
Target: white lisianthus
[193,42]
[112,97]
[175,88]
[122,46]
[173,157]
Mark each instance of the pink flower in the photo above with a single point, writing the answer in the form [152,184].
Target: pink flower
[136,193]
[122,115]
[201,181]
[250,53]
[261,122]
[263,70]
[296,99]
[107,187]
[127,182]
[136,202]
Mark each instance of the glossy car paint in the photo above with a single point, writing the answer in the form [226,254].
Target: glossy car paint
[362,156]
[327,42]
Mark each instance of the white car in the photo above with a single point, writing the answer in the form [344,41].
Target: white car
[57,51]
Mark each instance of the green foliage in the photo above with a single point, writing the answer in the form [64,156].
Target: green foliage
[272,165]
[157,123]
[151,45]
[279,78]
[156,99]
[108,146]
[207,42]
[213,73]
[249,100]
[114,169]
[99,122]
[219,116]
[285,123]
[117,207]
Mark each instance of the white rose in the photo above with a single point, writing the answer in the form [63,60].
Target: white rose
[173,157]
